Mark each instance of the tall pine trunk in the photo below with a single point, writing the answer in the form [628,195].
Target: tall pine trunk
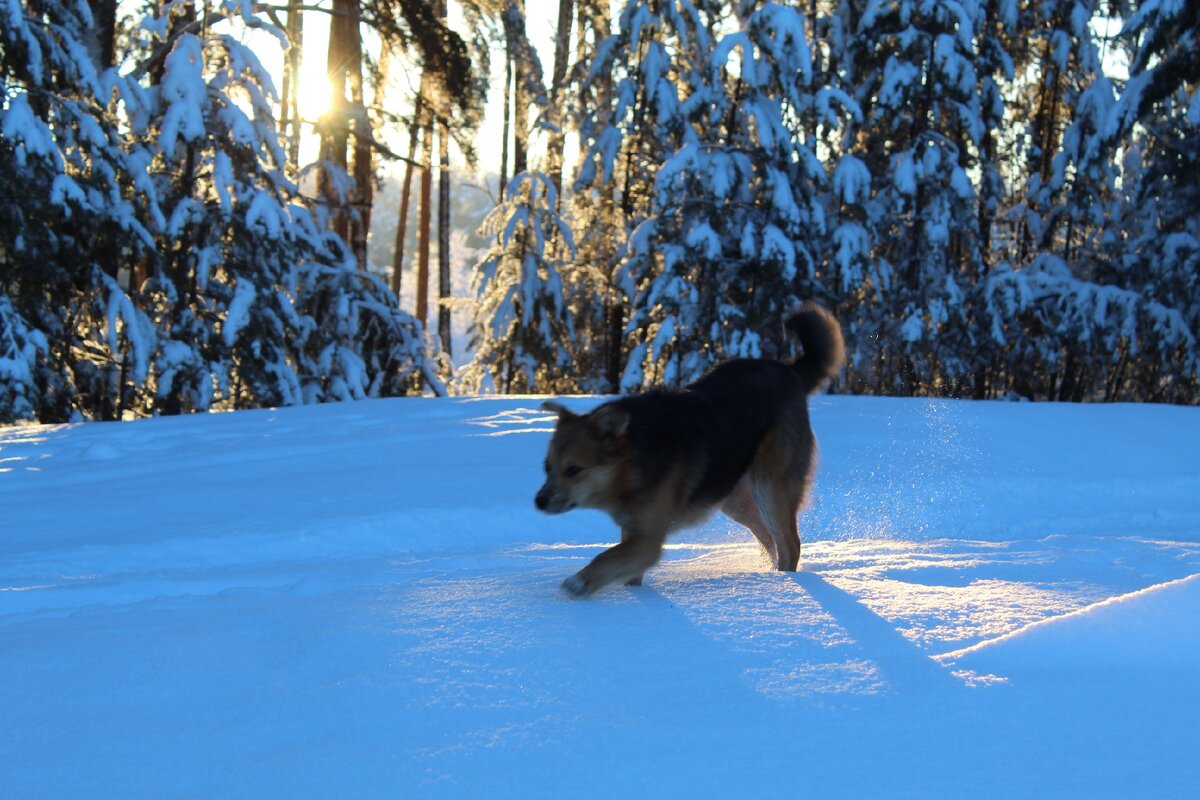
[104,14]
[336,129]
[566,15]
[520,117]
[507,127]
[444,224]
[290,122]
[361,167]
[444,238]
[405,199]
[424,217]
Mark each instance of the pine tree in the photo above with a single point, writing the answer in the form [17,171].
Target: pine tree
[738,222]
[525,325]
[595,204]
[1068,317]
[1158,115]
[911,66]
[258,302]
[223,287]
[632,123]
[21,351]
[162,260]
[69,221]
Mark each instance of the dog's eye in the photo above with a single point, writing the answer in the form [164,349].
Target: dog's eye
[572,471]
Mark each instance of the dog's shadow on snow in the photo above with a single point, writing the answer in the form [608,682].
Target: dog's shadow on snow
[901,663]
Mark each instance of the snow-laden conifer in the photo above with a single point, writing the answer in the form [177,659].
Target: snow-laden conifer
[69,217]
[737,224]
[911,240]
[525,331]
[21,351]
[153,247]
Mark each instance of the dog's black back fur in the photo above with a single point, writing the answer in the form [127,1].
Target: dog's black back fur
[719,420]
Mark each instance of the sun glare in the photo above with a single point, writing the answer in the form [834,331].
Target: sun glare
[313,92]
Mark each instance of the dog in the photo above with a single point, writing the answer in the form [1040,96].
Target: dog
[738,440]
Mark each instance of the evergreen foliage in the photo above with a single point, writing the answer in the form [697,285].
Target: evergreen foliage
[988,210]
[155,255]
[526,339]
[736,222]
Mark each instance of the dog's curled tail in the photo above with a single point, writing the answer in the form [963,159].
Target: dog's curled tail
[821,337]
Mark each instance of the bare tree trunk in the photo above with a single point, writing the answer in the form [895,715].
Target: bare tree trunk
[290,100]
[423,222]
[444,224]
[104,14]
[520,105]
[520,133]
[444,238]
[336,132]
[405,197]
[566,15]
[508,79]
[362,169]
[614,335]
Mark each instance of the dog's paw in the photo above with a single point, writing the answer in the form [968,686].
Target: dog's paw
[576,586]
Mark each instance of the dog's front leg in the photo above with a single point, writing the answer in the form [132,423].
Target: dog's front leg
[624,562]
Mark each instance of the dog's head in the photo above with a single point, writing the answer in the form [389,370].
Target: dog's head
[586,459]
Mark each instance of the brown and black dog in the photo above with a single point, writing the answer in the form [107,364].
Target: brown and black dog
[737,440]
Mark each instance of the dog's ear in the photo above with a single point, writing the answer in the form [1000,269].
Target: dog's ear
[564,414]
[609,422]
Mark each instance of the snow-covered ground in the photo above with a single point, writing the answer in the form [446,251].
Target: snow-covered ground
[996,600]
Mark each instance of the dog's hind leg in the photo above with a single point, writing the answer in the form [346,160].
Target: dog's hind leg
[781,501]
[742,509]
[778,482]
[766,513]
[623,562]
[789,535]
[777,507]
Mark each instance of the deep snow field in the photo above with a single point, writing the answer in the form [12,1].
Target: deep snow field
[350,601]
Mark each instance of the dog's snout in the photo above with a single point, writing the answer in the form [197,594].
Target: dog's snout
[541,500]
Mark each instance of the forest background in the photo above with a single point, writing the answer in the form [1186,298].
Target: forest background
[228,205]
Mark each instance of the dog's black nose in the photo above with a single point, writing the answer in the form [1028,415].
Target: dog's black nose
[541,501]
